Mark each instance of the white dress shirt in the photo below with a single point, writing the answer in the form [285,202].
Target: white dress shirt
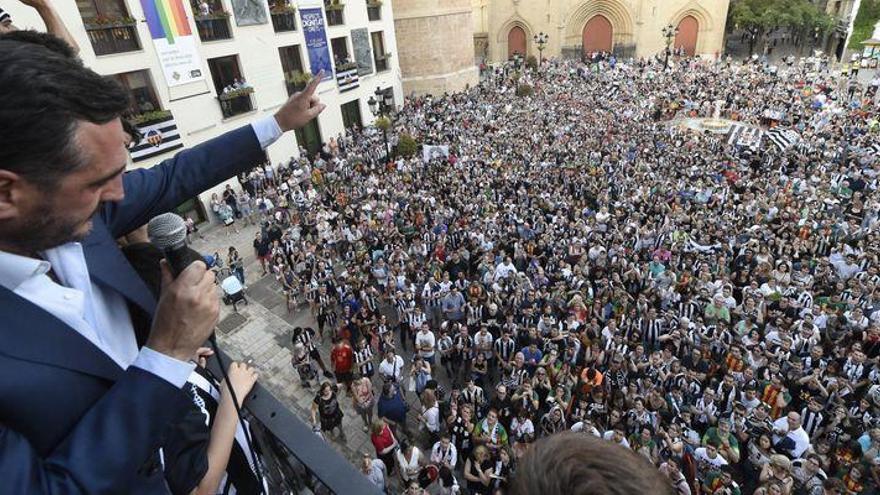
[98,313]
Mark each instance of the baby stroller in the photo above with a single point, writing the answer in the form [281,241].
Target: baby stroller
[233,292]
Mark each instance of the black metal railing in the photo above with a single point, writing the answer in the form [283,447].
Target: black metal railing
[109,39]
[294,458]
[284,21]
[213,28]
[374,12]
[334,16]
[236,104]
[381,64]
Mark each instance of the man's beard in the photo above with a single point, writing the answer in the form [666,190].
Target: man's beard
[46,229]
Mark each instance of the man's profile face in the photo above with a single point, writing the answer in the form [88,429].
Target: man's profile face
[63,213]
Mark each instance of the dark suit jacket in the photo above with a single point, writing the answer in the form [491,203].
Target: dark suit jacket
[71,420]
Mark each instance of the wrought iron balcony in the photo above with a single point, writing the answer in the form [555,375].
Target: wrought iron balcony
[113,38]
[296,460]
[374,12]
[334,14]
[284,21]
[236,102]
[213,27]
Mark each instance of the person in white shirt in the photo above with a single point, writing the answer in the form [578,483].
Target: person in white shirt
[391,368]
[425,342]
[708,459]
[504,269]
[789,435]
[444,453]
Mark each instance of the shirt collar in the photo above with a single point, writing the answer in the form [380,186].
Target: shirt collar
[16,269]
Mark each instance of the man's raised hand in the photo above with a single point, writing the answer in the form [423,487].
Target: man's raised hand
[302,107]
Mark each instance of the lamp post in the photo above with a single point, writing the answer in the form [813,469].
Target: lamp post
[541,42]
[379,107]
[669,33]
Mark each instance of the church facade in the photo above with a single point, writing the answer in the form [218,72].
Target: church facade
[575,27]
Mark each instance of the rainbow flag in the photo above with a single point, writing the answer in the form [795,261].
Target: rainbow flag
[166,19]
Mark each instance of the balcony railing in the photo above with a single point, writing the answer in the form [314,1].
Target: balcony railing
[334,15]
[347,77]
[284,21]
[374,12]
[295,459]
[113,38]
[213,28]
[236,102]
[381,64]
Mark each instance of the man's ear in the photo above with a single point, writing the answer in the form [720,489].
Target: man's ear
[12,194]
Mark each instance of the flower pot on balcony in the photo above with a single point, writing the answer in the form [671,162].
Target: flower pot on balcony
[235,94]
[119,23]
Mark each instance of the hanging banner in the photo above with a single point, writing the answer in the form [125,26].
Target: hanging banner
[363,55]
[159,136]
[316,42]
[174,42]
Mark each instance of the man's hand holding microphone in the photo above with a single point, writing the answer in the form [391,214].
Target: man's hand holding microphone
[187,312]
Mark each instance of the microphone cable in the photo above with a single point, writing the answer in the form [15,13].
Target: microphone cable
[237,405]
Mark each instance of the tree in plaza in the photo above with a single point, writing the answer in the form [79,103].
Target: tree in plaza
[759,18]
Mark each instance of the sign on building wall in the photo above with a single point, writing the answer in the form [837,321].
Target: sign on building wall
[360,38]
[249,12]
[316,42]
[174,42]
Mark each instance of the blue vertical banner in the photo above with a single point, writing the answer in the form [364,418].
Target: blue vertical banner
[316,42]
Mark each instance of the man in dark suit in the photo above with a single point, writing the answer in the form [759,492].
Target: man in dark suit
[92,365]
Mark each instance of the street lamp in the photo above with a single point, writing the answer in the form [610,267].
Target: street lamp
[541,42]
[379,107]
[669,33]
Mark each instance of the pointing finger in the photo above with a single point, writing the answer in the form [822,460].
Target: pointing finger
[313,84]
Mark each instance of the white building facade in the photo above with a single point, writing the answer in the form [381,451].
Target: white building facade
[258,47]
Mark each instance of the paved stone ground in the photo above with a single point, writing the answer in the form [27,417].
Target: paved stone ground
[261,331]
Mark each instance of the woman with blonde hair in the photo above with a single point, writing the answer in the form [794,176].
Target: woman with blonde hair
[478,471]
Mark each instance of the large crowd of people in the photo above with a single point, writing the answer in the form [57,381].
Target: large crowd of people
[580,261]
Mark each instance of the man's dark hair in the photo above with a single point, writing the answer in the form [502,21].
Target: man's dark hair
[48,93]
[582,465]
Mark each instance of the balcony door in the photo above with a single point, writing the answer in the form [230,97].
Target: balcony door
[309,137]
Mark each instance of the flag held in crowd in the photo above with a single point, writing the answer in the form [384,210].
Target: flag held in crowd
[783,139]
[745,136]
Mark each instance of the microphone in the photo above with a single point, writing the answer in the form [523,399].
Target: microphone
[168,233]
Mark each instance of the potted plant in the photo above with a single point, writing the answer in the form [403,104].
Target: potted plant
[334,5]
[220,14]
[345,66]
[279,9]
[374,3]
[299,79]
[102,22]
[150,117]
[235,93]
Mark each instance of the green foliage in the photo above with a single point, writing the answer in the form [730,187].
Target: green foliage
[407,146]
[524,90]
[863,26]
[235,93]
[532,62]
[297,77]
[761,16]
[383,123]
[149,117]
